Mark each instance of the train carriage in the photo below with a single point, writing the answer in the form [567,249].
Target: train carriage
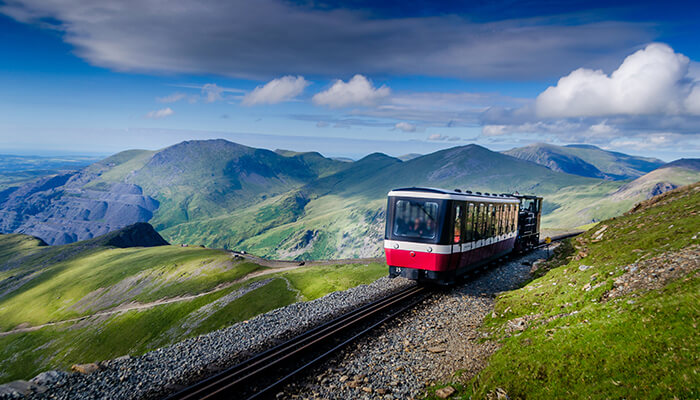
[438,235]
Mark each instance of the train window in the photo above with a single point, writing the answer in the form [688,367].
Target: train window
[415,218]
[509,218]
[501,220]
[479,222]
[490,221]
[494,230]
[485,225]
[498,228]
[457,227]
[469,218]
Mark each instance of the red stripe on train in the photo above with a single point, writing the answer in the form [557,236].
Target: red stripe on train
[445,262]
[417,259]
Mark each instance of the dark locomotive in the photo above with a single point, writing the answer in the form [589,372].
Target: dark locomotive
[438,235]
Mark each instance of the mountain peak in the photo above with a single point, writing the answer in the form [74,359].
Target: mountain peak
[140,234]
[689,163]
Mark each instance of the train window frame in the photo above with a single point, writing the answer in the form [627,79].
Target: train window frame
[481,222]
[457,212]
[469,220]
[489,220]
[499,219]
[510,218]
[435,219]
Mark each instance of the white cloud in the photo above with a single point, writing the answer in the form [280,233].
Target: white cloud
[692,102]
[277,91]
[212,92]
[405,126]
[158,114]
[441,138]
[321,124]
[494,130]
[268,38]
[651,81]
[172,98]
[358,91]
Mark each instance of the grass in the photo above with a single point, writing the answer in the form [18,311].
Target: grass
[274,295]
[315,282]
[141,274]
[642,345]
[91,279]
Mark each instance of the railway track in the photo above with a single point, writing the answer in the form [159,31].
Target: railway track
[259,376]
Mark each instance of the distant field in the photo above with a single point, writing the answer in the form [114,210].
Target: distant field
[14,163]
[17,170]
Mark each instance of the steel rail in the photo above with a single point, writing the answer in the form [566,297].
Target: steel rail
[224,382]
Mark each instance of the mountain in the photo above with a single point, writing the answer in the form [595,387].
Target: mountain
[586,160]
[692,164]
[23,258]
[345,213]
[293,205]
[667,177]
[188,181]
[409,156]
[663,179]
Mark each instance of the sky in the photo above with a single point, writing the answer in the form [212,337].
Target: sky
[348,78]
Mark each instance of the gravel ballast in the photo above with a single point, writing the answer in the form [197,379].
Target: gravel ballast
[167,369]
[397,360]
[425,345]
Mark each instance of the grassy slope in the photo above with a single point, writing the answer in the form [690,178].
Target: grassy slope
[605,200]
[348,207]
[75,287]
[643,345]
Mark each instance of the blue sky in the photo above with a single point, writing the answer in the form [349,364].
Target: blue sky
[349,78]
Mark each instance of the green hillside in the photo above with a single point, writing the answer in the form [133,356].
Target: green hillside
[301,205]
[619,200]
[586,160]
[91,300]
[613,315]
[345,213]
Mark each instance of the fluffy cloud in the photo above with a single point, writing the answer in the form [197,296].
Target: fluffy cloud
[269,38]
[653,80]
[158,114]
[405,126]
[358,91]
[277,91]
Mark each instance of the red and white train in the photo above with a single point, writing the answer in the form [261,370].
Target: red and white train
[438,235]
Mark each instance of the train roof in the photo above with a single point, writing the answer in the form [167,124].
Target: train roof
[456,194]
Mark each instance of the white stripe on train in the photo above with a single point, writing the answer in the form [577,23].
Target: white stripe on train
[445,248]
